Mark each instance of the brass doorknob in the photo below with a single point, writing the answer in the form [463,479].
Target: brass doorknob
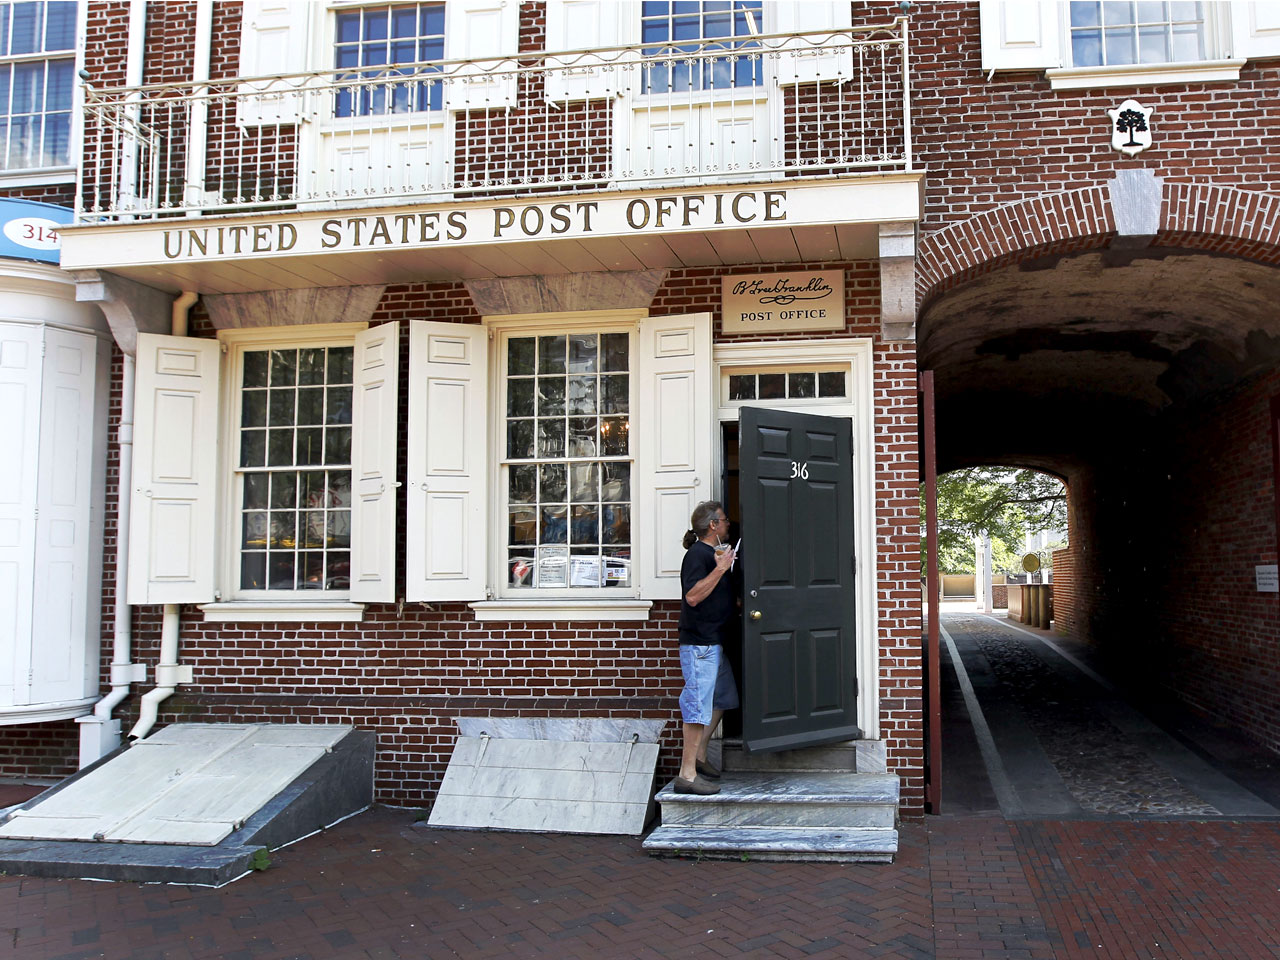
[756,614]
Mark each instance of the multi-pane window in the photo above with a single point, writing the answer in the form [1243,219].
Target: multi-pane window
[568,461]
[683,40]
[37,73]
[295,466]
[391,46]
[791,385]
[1117,33]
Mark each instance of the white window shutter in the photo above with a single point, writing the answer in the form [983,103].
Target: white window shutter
[487,31]
[447,502]
[373,464]
[1020,34]
[273,41]
[582,25]
[806,61]
[1255,29]
[62,612]
[673,454]
[20,376]
[175,464]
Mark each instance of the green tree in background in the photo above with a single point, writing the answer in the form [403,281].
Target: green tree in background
[1005,503]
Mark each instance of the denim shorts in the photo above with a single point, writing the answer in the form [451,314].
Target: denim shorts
[708,682]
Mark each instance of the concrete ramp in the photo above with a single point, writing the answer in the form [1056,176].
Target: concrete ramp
[192,803]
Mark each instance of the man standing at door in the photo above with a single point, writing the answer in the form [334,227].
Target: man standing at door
[707,604]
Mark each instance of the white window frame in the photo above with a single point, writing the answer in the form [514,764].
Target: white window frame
[66,173]
[1215,67]
[232,604]
[1036,35]
[501,330]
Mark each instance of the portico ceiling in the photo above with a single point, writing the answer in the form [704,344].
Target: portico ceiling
[1088,341]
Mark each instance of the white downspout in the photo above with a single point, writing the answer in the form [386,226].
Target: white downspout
[169,672]
[99,732]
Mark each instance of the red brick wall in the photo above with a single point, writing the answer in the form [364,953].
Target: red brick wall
[39,751]
[1064,593]
[407,676]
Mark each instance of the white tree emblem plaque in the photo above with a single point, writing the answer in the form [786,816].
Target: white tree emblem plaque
[1131,127]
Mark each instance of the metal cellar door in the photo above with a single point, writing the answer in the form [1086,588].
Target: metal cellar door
[798,664]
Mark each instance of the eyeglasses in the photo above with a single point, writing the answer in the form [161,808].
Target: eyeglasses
[720,520]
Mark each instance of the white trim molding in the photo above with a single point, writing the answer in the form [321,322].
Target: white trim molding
[593,610]
[283,612]
[1144,74]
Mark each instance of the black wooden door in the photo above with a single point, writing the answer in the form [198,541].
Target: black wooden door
[798,673]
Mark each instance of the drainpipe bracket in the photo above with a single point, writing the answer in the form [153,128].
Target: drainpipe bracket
[126,673]
[172,674]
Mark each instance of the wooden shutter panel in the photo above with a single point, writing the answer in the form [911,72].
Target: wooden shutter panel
[487,31]
[373,466]
[175,451]
[805,61]
[582,25]
[20,376]
[1255,30]
[65,605]
[1020,35]
[673,455]
[274,40]
[447,500]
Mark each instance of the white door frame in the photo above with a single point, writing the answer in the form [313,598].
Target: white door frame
[856,353]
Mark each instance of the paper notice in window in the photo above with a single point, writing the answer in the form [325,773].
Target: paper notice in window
[617,572]
[553,567]
[584,572]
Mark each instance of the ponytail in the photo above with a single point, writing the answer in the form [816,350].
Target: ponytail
[690,538]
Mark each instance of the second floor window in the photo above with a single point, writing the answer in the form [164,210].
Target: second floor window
[37,71]
[1115,33]
[386,54]
[701,45]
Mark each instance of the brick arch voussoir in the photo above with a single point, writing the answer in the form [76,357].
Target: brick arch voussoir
[1216,219]
[1066,222]
[1221,220]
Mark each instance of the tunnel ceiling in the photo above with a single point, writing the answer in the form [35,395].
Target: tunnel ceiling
[1111,333]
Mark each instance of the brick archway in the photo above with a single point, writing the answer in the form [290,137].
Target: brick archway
[1193,216]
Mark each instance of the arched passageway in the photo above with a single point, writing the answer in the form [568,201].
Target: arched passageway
[1127,338]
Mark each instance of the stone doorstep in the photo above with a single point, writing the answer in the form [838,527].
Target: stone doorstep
[861,756]
[844,817]
[858,845]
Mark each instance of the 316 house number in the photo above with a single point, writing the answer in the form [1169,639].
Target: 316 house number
[800,470]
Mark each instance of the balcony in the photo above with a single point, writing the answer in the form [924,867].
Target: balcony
[793,108]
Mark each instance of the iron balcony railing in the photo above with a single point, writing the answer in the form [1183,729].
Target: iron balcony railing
[738,110]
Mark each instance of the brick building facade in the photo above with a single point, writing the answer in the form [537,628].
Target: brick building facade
[984,227]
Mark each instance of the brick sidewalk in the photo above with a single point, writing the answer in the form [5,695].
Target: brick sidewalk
[379,887]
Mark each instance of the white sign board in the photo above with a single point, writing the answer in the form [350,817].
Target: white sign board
[1268,577]
[783,302]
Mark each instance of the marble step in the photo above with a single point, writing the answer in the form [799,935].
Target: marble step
[866,756]
[855,845]
[834,800]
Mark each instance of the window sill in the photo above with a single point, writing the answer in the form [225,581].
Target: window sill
[38,178]
[285,612]
[1141,75]
[562,609]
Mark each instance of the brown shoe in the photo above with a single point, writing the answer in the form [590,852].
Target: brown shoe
[705,769]
[697,785]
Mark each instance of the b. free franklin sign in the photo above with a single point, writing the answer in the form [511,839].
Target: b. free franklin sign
[781,302]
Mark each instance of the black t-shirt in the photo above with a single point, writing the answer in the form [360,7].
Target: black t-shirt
[702,624]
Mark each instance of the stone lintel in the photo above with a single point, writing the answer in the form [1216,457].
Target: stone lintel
[566,293]
[281,308]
